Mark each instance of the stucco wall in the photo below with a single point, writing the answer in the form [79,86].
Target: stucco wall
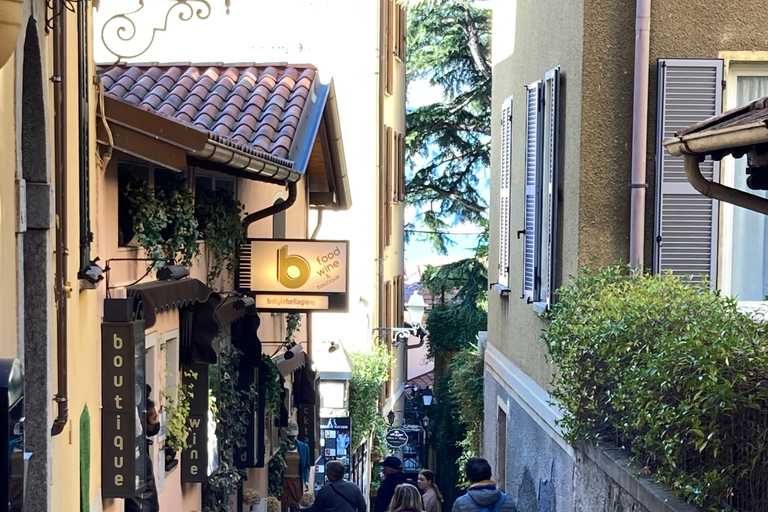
[523,54]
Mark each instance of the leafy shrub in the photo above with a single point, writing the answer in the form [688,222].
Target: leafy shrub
[671,371]
[369,373]
[466,388]
[219,218]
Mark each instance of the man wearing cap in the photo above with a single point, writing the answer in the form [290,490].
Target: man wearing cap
[393,476]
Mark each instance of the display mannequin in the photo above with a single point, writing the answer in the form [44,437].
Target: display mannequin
[296,474]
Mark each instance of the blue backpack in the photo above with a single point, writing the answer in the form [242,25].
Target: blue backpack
[495,507]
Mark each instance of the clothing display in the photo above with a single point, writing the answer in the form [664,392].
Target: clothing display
[292,482]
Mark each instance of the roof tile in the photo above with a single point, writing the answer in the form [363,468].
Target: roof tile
[254,106]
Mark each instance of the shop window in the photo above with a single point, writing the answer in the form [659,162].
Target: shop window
[127,171]
[172,377]
[211,182]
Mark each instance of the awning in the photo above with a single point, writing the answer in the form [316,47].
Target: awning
[197,305]
[288,366]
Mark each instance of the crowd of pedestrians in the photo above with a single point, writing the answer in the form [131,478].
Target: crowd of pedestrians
[398,493]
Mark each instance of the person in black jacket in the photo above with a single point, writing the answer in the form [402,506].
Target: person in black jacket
[393,476]
[337,495]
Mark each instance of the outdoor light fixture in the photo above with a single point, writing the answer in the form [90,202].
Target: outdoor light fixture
[333,347]
[416,307]
[91,275]
[172,273]
[425,422]
[427,397]
[243,302]
[391,418]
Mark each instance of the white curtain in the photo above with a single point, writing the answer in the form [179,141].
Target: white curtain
[749,274]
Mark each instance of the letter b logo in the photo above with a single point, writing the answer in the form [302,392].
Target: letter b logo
[292,270]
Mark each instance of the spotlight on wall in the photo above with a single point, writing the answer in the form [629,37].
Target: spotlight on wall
[91,275]
[172,273]
[333,347]
[243,303]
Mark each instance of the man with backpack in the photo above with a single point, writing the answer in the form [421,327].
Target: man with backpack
[482,496]
[337,495]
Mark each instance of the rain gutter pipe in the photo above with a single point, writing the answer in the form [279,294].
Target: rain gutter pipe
[274,209]
[638,184]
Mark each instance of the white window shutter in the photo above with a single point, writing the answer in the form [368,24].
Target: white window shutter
[686,223]
[532,183]
[552,88]
[504,187]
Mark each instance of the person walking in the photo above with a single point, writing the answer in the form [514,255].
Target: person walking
[432,497]
[393,476]
[482,494]
[407,498]
[337,495]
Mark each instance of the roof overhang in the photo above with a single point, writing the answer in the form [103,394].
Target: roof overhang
[169,143]
[737,132]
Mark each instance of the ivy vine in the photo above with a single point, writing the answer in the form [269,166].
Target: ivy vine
[277,467]
[232,411]
[272,382]
[292,325]
[220,224]
[369,373]
[164,219]
[177,412]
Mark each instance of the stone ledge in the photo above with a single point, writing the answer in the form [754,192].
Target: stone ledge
[615,464]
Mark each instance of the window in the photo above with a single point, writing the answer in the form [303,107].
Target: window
[504,188]
[541,177]
[398,167]
[211,183]
[744,258]
[394,36]
[686,227]
[385,188]
[127,171]
[501,448]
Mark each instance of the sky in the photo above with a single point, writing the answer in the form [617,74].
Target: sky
[419,253]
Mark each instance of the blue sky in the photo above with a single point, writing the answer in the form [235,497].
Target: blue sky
[419,253]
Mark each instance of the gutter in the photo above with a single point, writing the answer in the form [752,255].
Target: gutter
[695,146]
[638,184]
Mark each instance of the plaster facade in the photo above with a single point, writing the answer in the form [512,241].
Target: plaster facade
[593,43]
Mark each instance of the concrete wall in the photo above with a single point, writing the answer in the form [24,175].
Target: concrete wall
[529,47]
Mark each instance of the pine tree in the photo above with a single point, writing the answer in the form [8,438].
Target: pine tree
[449,46]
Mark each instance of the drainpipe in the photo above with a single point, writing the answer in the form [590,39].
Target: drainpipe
[274,209]
[62,286]
[721,192]
[638,185]
[86,237]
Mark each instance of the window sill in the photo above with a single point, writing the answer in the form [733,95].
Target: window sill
[500,289]
[540,308]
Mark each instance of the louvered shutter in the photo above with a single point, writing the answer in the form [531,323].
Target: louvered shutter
[532,184]
[686,225]
[504,187]
[552,88]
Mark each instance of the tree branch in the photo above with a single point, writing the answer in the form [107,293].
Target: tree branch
[478,53]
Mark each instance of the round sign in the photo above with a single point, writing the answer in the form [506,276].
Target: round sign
[396,438]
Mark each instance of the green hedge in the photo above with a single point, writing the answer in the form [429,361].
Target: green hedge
[674,373]
[369,373]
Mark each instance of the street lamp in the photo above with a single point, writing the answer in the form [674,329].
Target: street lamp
[416,307]
[425,422]
[427,397]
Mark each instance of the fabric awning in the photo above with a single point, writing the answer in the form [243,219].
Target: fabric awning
[288,366]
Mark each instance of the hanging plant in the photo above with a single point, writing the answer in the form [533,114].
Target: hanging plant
[369,373]
[277,467]
[219,217]
[177,413]
[232,413]
[272,382]
[164,219]
[292,326]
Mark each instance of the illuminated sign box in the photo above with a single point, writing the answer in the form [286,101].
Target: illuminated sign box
[291,275]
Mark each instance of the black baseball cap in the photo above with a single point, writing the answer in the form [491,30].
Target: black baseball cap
[392,462]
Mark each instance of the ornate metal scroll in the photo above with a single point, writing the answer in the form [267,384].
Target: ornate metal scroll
[120,32]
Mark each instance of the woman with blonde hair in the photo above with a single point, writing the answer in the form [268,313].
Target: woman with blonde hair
[431,497]
[406,499]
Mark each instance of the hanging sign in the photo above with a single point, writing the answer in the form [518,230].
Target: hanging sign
[396,438]
[123,416]
[291,275]
[201,458]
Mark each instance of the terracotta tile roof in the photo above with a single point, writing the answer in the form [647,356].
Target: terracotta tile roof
[250,106]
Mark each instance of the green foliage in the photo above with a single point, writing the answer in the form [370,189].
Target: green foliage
[369,373]
[164,219]
[219,217]
[446,433]
[466,389]
[449,45]
[232,411]
[673,372]
[292,325]
[454,321]
[177,413]
[272,380]
[277,467]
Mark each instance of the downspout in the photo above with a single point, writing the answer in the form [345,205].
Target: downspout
[638,185]
[86,236]
[274,209]
[62,287]
[721,192]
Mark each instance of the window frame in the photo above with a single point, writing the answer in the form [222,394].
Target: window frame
[505,193]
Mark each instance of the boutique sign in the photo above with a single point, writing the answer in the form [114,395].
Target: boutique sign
[296,274]
[123,441]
